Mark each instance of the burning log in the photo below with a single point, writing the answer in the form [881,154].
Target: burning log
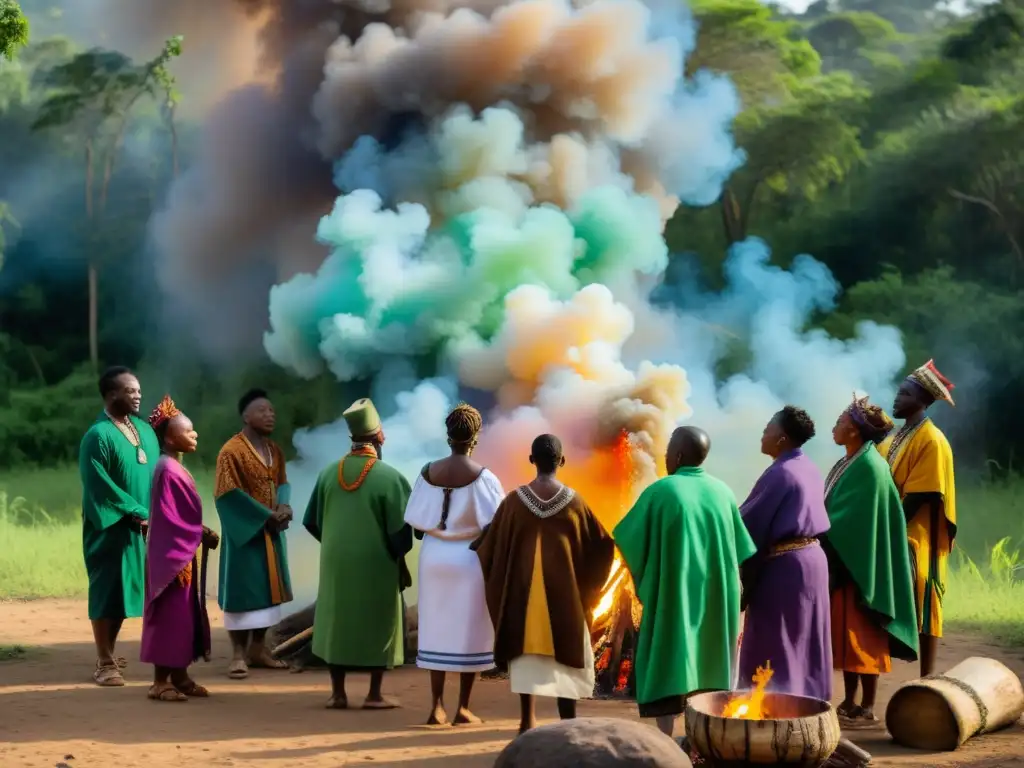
[614,625]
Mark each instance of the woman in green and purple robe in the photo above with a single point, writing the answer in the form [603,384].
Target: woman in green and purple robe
[175,625]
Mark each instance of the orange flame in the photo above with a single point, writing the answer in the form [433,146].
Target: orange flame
[751,705]
[613,471]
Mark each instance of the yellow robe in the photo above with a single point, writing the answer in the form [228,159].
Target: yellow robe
[924,464]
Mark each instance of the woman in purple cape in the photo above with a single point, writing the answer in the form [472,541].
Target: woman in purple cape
[786,589]
[175,625]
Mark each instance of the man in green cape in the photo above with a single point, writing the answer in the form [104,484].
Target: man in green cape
[357,513]
[874,616]
[251,493]
[116,461]
[683,542]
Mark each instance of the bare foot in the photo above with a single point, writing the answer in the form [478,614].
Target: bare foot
[337,702]
[438,716]
[465,717]
[382,703]
[263,660]
[524,727]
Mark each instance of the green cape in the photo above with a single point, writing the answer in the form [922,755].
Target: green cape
[869,534]
[683,542]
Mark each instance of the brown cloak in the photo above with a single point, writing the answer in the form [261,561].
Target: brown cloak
[577,556]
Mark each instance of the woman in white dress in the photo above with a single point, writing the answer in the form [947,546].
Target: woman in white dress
[451,503]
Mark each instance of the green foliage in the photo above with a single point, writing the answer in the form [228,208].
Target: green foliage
[13,28]
[761,53]
[884,137]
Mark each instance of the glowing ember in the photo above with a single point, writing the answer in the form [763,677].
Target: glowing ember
[751,705]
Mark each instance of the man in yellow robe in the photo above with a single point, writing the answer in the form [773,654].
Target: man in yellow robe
[922,467]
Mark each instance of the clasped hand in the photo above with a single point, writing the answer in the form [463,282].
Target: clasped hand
[280,519]
[210,539]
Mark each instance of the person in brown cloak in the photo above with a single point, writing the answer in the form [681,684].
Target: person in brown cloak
[545,558]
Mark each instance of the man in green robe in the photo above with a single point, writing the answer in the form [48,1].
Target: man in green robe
[357,513]
[683,542]
[251,493]
[116,461]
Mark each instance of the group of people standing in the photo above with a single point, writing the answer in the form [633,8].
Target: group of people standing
[843,572]
[810,573]
[146,547]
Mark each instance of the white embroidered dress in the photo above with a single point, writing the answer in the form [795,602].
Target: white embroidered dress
[455,630]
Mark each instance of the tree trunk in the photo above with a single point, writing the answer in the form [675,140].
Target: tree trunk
[732,218]
[94,347]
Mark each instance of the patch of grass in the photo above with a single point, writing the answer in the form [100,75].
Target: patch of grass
[12,652]
[41,533]
[43,559]
[988,598]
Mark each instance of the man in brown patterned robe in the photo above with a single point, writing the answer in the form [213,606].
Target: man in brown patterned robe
[545,558]
[252,494]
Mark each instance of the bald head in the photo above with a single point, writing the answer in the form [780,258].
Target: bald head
[689,447]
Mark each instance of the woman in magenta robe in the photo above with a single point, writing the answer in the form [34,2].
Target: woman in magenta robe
[175,625]
[787,619]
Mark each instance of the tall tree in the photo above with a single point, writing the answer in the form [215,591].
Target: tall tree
[13,28]
[92,98]
[792,128]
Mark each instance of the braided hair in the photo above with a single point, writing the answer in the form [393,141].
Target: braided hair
[463,425]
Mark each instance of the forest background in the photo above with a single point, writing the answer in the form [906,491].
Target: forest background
[884,137]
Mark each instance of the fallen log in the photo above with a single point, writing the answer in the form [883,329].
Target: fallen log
[292,638]
[848,755]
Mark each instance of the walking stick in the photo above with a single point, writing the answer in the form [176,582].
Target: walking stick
[207,545]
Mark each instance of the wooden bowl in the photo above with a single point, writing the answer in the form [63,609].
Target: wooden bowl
[802,732]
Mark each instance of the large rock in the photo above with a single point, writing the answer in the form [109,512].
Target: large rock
[595,742]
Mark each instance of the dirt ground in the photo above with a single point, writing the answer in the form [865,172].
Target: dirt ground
[51,714]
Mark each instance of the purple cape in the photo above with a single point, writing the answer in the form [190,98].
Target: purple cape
[787,619]
[175,626]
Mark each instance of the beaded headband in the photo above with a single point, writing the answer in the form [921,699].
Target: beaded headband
[164,412]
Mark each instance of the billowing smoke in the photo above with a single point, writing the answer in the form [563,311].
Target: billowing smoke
[505,172]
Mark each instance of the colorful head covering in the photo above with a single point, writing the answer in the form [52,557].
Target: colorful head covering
[874,423]
[934,384]
[163,413]
[362,418]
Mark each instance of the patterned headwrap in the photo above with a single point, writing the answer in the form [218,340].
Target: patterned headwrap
[164,412]
[934,384]
[874,423]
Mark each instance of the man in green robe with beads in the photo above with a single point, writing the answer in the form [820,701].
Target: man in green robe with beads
[357,513]
[683,542]
[116,461]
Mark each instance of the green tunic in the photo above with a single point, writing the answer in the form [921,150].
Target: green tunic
[869,536]
[115,488]
[683,542]
[362,535]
